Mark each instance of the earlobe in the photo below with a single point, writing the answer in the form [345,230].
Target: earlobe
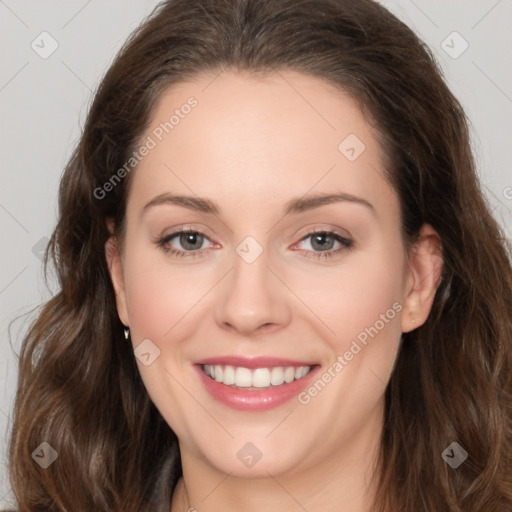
[425,270]
[113,257]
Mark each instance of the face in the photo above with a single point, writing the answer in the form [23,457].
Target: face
[263,247]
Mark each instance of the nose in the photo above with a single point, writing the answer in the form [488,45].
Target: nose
[252,299]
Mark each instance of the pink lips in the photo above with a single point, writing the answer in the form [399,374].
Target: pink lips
[253,362]
[254,400]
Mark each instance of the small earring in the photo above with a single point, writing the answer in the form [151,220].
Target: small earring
[413,321]
[126,333]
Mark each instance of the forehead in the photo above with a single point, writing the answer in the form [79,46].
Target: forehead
[251,139]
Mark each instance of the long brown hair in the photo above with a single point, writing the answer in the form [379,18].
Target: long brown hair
[79,388]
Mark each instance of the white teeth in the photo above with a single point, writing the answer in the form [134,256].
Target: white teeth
[276,376]
[257,378]
[229,375]
[261,378]
[243,378]
[289,374]
[218,373]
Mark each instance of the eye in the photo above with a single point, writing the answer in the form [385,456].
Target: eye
[191,243]
[189,240]
[322,243]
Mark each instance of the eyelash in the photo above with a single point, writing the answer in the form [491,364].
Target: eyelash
[345,242]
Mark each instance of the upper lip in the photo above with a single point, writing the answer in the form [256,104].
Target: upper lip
[253,362]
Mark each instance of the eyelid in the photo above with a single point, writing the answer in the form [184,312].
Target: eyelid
[163,240]
[346,241]
[186,228]
[326,228]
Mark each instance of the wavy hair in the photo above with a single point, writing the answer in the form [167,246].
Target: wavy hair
[79,388]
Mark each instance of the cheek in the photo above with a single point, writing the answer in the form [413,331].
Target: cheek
[361,294]
[361,305]
[161,296]
[150,302]
[162,301]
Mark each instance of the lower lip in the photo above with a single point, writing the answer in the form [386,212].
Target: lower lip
[255,400]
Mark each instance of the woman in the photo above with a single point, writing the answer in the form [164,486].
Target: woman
[281,285]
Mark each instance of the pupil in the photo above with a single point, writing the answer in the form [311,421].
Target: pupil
[321,240]
[189,240]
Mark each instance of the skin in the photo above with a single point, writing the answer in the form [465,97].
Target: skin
[252,144]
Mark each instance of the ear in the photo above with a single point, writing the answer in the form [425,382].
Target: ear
[113,257]
[424,276]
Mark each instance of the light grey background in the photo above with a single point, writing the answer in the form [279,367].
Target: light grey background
[44,102]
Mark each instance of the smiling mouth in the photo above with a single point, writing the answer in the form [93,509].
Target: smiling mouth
[238,377]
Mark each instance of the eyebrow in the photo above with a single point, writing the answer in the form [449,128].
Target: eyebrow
[294,206]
